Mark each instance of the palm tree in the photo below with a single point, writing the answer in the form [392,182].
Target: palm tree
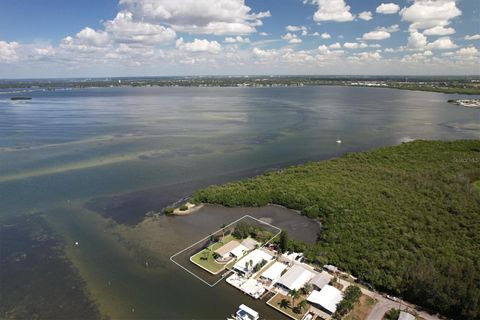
[303,304]
[295,295]
[223,226]
[284,303]
[307,288]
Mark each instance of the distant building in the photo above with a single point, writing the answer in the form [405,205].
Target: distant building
[246,313]
[406,316]
[295,278]
[326,299]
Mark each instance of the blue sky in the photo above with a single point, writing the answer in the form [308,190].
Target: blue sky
[53,38]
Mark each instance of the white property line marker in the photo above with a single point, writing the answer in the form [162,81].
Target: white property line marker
[203,239]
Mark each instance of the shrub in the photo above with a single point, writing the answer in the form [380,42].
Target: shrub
[168,210]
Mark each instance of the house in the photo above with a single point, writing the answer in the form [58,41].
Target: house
[295,278]
[239,251]
[246,265]
[273,273]
[320,280]
[246,313]
[405,316]
[326,299]
[225,250]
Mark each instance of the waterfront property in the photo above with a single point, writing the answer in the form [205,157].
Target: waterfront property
[326,299]
[253,261]
[273,273]
[295,278]
[206,258]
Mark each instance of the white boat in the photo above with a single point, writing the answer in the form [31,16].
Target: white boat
[246,313]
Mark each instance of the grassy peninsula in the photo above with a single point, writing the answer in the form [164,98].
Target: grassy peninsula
[405,219]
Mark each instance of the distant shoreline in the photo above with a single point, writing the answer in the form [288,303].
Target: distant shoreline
[453,85]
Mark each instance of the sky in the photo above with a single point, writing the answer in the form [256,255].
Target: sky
[107,38]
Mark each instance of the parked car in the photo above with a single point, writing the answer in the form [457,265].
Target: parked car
[392,298]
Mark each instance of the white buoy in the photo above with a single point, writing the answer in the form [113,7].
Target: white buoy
[339,141]
[76,243]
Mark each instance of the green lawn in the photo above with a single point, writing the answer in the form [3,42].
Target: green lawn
[210,264]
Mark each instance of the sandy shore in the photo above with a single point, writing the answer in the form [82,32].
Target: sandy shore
[191,209]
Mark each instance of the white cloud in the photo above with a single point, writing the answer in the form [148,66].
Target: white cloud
[416,41]
[198,45]
[332,10]
[444,43]
[125,30]
[472,37]
[88,36]
[335,46]
[295,28]
[291,38]
[325,35]
[365,15]
[263,34]
[376,35]
[387,8]
[439,31]
[259,53]
[425,14]
[237,39]
[365,56]
[219,17]
[467,52]
[392,28]
[8,51]
[355,45]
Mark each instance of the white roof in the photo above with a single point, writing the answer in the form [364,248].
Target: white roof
[295,277]
[248,310]
[256,256]
[328,298]
[406,316]
[239,250]
[321,279]
[275,271]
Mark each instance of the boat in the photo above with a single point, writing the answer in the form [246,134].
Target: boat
[246,313]
[20,98]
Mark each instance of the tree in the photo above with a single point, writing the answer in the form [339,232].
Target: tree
[392,314]
[307,288]
[295,295]
[303,304]
[223,226]
[283,245]
[284,303]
